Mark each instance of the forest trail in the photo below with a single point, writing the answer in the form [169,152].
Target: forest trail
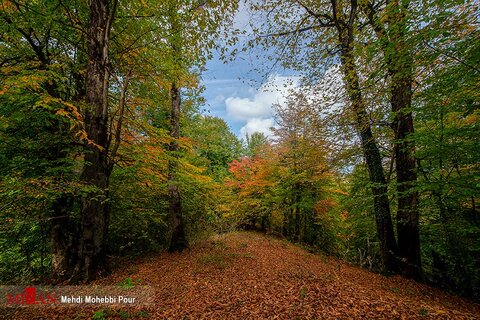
[244,275]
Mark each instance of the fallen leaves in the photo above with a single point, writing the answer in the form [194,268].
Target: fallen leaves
[250,276]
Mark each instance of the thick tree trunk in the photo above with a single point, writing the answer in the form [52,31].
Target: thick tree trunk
[407,212]
[388,247]
[92,251]
[63,248]
[399,61]
[400,67]
[178,241]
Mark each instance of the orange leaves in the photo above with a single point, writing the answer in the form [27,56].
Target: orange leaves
[7,6]
[63,108]
[250,276]
[323,206]
[250,176]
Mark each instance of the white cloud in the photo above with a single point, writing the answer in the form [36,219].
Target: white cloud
[257,110]
[218,99]
[257,125]
[246,108]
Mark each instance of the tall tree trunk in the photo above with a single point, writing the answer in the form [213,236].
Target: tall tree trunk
[388,246]
[399,61]
[64,230]
[407,210]
[92,251]
[178,241]
[400,67]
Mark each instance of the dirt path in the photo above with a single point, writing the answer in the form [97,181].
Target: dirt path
[250,276]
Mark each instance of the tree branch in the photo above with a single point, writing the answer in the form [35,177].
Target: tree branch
[123,100]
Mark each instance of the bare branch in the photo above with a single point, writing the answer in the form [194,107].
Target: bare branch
[285,33]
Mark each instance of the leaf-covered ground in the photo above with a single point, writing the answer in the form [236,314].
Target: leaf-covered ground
[250,276]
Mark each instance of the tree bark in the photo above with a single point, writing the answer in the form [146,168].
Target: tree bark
[407,209]
[178,241]
[62,239]
[400,68]
[399,61]
[388,246]
[92,251]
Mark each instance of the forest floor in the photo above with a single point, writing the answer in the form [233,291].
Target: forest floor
[246,275]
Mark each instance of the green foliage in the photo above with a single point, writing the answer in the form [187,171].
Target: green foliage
[100,314]
[214,144]
[36,167]
[303,184]
[128,283]
[136,222]
[360,237]
[254,143]
[284,187]
[448,113]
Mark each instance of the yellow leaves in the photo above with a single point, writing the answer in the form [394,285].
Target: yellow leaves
[63,108]
[151,173]
[83,136]
[69,111]
[185,143]
[31,82]
[163,83]
[4,89]
[339,191]
[188,81]
[62,113]
[9,70]
[7,6]
[144,3]
[472,119]
[193,172]
[460,120]
[73,110]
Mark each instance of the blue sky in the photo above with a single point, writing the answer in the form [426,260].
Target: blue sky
[243,97]
[238,94]
[222,81]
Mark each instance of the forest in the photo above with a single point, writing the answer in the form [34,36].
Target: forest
[107,153]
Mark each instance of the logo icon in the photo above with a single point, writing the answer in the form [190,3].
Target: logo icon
[30,296]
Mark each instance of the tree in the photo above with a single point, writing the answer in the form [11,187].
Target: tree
[337,22]
[82,121]
[215,143]
[188,50]
[446,107]
[397,47]
[252,187]
[254,143]
[92,254]
[40,71]
[302,156]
